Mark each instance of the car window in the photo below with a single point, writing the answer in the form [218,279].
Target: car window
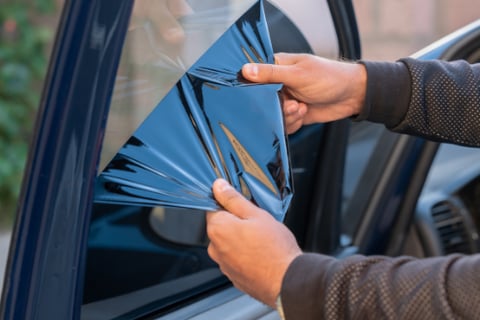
[362,142]
[144,258]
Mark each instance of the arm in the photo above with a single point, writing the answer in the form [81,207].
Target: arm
[437,100]
[261,257]
[320,287]
[451,92]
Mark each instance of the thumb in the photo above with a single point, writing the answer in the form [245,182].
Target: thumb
[232,201]
[280,72]
[264,73]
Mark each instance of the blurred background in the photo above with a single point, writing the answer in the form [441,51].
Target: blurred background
[389,29]
[27,29]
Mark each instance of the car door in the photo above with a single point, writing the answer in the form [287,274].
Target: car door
[72,258]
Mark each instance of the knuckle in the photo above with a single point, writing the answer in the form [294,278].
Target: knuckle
[230,198]
[212,252]
[212,231]
[273,73]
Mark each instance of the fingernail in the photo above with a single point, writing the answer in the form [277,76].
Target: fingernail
[222,185]
[252,70]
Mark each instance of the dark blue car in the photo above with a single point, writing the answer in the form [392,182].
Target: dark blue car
[357,187]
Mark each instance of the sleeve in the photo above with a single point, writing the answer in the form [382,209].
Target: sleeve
[433,99]
[320,287]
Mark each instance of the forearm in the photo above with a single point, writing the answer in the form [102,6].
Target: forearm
[320,287]
[388,93]
[435,99]
[445,102]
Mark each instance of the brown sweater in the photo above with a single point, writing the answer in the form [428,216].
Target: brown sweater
[435,100]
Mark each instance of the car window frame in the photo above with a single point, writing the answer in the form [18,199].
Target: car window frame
[45,264]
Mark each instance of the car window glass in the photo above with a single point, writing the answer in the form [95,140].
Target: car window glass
[142,258]
[363,139]
[151,65]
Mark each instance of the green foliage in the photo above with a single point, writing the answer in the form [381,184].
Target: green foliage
[23,59]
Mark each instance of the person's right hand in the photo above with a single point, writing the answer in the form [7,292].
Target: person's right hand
[315,89]
[251,248]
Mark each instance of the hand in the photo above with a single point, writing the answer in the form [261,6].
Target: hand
[252,249]
[315,89]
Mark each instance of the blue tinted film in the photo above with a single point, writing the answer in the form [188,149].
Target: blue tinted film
[211,124]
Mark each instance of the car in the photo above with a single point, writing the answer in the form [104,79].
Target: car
[358,188]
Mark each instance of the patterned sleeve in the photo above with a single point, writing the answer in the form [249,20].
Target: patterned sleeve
[433,99]
[320,287]
[436,100]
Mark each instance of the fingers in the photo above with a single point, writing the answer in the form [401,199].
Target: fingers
[294,109]
[216,217]
[217,222]
[280,72]
[219,226]
[231,200]
[264,73]
[284,59]
[286,70]
[294,113]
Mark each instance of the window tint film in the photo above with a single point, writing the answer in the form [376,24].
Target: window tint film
[211,124]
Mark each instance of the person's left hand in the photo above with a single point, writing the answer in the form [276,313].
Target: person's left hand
[252,249]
